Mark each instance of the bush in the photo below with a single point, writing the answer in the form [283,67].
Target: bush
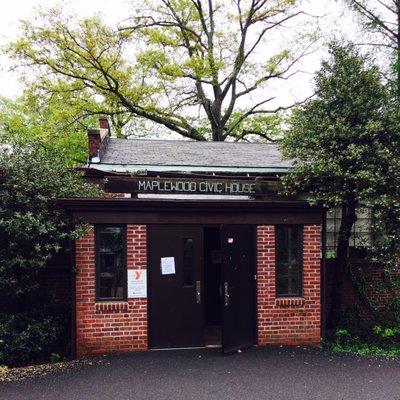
[33,229]
[379,335]
[379,340]
[26,337]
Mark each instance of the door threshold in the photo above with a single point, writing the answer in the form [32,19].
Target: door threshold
[209,346]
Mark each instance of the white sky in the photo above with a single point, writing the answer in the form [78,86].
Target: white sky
[334,20]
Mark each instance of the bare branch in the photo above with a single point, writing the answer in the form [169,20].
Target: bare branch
[375,18]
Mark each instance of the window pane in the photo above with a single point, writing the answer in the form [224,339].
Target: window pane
[361,235]
[111,268]
[282,251]
[110,238]
[188,255]
[288,260]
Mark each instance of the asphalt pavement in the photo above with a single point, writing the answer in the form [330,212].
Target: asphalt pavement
[257,373]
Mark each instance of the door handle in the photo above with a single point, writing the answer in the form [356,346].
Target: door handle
[198,292]
[226,294]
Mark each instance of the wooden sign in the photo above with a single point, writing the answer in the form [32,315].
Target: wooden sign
[191,186]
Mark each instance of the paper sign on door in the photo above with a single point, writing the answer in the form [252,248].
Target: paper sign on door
[167,265]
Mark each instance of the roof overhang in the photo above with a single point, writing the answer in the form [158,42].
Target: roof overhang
[135,168]
[167,211]
[127,204]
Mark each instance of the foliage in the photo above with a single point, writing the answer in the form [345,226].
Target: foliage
[346,145]
[33,229]
[175,63]
[360,335]
[32,226]
[32,119]
[55,357]
[379,342]
[381,18]
[339,138]
[32,335]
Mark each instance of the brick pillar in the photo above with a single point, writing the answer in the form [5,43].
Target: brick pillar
[103,327]
[265,279]
[85,293]
[289,321]
[137,259]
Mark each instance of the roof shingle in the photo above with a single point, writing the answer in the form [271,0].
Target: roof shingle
[192,153]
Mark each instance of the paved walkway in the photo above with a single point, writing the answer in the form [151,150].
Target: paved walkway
[258,373]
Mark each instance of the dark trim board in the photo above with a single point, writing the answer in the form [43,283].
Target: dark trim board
[81,203]
[191,218]
[144,211]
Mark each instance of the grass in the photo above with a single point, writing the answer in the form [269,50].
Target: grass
[364,349]
[378,343]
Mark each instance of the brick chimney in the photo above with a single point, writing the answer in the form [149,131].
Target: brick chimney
[98,140]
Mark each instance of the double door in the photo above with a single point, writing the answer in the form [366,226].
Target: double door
[176,286]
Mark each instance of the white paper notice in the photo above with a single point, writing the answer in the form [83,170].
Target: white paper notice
[167,265]
[137,283]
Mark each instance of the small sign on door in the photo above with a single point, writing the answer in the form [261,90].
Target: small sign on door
[167,265]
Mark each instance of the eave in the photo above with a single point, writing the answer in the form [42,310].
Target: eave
[136,168]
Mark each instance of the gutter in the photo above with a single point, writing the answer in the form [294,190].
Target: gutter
[140,168]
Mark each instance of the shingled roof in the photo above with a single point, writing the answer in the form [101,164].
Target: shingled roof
[127,153]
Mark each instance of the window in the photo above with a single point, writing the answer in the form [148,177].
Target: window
[288,260]
[188,258]
[361,233]
[110,262]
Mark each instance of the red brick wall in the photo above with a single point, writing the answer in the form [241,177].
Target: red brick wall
[288,321]
[122,326]
[374,286]
[109,326]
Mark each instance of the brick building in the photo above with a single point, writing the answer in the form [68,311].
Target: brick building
[194,248]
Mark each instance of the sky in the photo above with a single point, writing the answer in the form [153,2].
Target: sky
[333,19]
[14,11]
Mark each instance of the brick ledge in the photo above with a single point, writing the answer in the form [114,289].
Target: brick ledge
[289,301]
[112,306]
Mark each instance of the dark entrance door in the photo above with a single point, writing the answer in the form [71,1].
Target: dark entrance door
[176,286]
[238,287]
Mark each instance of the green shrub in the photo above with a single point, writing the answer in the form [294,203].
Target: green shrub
[33,229]
[26,337]
[379,340]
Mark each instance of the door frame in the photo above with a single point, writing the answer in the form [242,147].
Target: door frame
[202,226]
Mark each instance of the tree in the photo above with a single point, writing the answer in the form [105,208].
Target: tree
[382,18]
[346,152]
[30,120]
[33,229]
[176,63]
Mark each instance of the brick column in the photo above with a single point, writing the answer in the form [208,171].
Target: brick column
[288,321]
[104,327]
[137,259]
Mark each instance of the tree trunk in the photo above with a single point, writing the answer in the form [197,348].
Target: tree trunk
[398,50]
[348,219]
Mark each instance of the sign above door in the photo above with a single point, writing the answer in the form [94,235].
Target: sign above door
[191,186]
